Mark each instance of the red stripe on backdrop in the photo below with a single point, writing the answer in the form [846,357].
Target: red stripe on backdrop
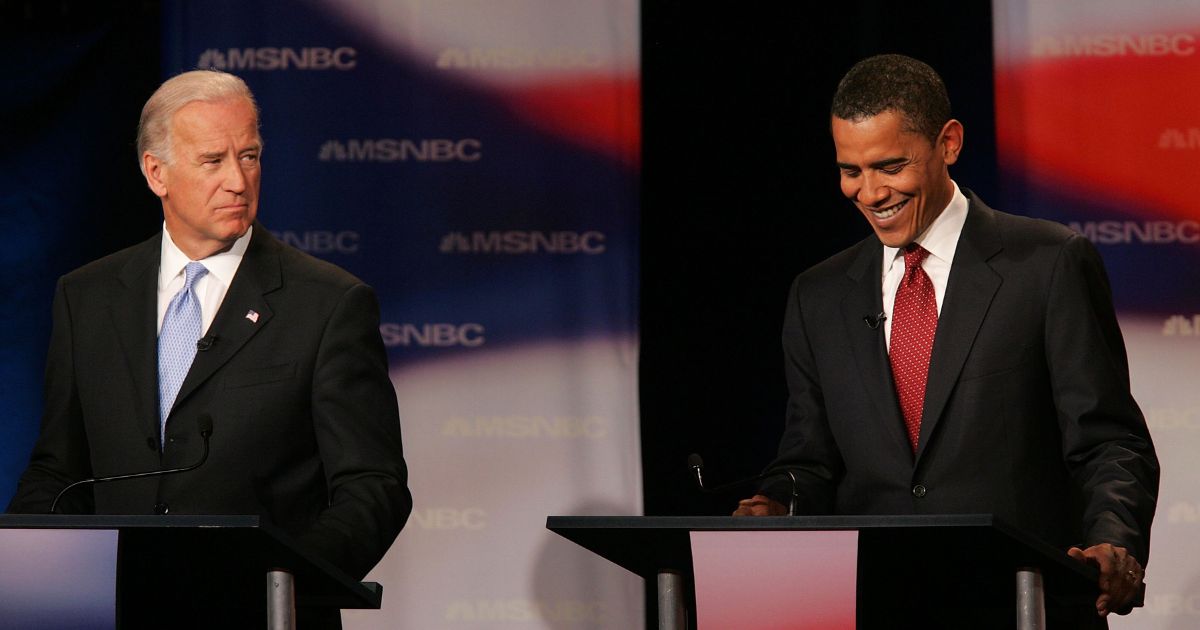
[1120,130]
[603,114]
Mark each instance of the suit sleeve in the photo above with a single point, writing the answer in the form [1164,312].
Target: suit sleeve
[1106,444]
[807,447]
[357,426]
[60,455]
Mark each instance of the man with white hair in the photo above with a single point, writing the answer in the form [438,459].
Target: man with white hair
[213,320]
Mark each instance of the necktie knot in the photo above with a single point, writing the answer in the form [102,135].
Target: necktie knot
[914,255]
[192,273]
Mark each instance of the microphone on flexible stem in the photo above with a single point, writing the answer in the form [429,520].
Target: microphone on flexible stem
[696,463]
[873,321]
[204,423]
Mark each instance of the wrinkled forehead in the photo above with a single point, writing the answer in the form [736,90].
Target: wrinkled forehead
[214,121]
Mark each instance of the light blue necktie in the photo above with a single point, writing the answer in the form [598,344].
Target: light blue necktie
[177,342]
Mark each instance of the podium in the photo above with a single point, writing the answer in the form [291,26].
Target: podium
[201,571]
[930,571]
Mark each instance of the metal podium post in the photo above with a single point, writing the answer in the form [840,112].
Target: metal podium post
[281,600]
[1031,599]
[672,613]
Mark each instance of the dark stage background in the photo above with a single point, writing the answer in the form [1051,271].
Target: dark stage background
[73,77]
[740,193]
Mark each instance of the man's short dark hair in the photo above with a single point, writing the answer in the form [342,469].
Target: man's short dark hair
[897,83]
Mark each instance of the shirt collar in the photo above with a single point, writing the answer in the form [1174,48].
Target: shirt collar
[222,265]
[940,239]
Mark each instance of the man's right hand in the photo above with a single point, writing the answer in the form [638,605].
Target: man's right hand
[758,505]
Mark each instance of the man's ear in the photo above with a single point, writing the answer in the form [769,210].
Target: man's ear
[156,173]
[951,141]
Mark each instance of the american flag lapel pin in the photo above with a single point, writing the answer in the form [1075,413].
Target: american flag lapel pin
[252,315]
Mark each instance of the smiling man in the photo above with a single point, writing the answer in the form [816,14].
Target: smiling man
[960,359]
[213,321]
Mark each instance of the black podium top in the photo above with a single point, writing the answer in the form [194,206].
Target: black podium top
[945,544]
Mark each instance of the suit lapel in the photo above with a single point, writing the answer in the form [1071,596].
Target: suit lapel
[870,352]
[243,312]
[134,311]
[969,292]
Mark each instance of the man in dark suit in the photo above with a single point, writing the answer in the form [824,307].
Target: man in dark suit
[215,318]
[960,359]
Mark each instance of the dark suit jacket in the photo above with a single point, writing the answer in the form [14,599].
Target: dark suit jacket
[1027,415]
[306,430]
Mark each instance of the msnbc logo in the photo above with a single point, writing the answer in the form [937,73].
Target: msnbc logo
[522,242]
[1116,45]
[513,58]
[401,150]
[271,58]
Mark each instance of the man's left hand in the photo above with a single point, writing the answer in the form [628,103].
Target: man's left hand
[1120,576]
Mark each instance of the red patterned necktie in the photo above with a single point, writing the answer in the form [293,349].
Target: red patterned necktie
[914,322]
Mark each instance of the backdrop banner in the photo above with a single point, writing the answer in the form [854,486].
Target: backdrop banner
[478,164]
[1098,127]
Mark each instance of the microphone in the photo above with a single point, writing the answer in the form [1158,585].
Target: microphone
[873,321]
[696,463]
[206,342]
[204,423]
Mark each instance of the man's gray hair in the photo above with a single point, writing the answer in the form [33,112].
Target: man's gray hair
[154,127]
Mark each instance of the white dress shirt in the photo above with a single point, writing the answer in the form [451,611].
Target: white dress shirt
[940,239]
[210,288]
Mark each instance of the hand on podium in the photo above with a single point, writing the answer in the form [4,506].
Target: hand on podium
[759,505]
[1120,576]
